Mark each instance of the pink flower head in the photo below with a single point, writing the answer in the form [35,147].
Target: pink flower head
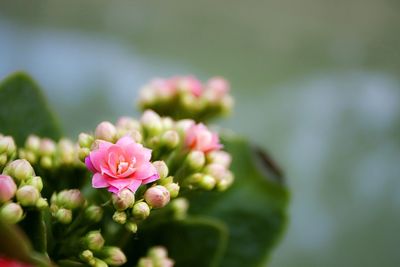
[125,164]
[163,87]
[198,137]
[219,86]
[189,83]
[7,188]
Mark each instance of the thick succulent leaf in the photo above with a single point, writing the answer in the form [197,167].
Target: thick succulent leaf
[254,208]
[15,245]
[24,110]
[195,242]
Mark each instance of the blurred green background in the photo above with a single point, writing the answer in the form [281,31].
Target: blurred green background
[317,84]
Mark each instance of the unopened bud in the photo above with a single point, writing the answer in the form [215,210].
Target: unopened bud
[66,151]
[27,195]
[196,160]
[162,168]
[173,189]
[157,196]
[46,162]
[183,126]
[85,140]
[180,207]
[87,256]
[64,216]
[94,240]
[170,139]
[3,159]
[42,203]
[132,227]
[113,256]
[99,263]
[216,170]
[7,145]
[157,252]
[11,212]
[106,131]
[225,182]
[35,181]
[151,121]
[219,157]
[141,210]
[145,262]
[207,182]
[94,213]
[227,104]
[32,143]
[20,169]
[125,199]
[7,188]
[128,123]
[70,199]
[47,147]
[193,180]
[83,152]
[119,217]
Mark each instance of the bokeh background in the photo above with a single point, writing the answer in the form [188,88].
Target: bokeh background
[317,84]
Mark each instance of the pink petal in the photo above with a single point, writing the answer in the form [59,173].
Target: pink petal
[145,171]
[120,183]
[89,164]
[150,179]
[98,181]
[134,185]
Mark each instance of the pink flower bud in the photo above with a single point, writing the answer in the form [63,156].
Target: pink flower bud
[32,143]
[141,210]
[7,145]
[11,213]
[94,240]
[170,139]
[47,147]
[19,169]
[162,168]
[105,131]
[157,196]
[123,200]
[7,188]
[196,160]
[70,199]
[119,217]
[220,157]
[219,86]
[198,137]
[28,195]
[64,216]
[94,213]
[151,122]
[114,256]
[173,189]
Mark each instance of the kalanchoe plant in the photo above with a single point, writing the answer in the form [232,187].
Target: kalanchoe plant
[140,192]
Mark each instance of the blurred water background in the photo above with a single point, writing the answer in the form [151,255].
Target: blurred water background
[317,84]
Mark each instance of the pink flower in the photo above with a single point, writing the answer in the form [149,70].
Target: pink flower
[163,87]
[7,188]
[125,164]
[198,137]
[189,83]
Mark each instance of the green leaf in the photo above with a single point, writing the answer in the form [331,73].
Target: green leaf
[15,245]
[195,242]
[254,208]
[24,109]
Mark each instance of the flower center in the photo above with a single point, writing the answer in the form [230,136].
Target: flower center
[123,166]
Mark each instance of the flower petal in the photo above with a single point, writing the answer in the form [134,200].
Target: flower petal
[98,181]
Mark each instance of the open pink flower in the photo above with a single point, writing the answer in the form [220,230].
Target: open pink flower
[125,164]
[198,137]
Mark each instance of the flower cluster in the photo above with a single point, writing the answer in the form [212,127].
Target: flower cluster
[19,190]
[145,162]
[186,97]
[156,256]
[49,154]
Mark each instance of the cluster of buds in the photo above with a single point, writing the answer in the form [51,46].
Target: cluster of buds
[187,97]
[156,257]
[19,189]
[49,154]
[7,150]
[66,204]
[96,254]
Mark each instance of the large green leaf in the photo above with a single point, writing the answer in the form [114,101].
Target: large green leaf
[24,110]
[195,242]
[254,208]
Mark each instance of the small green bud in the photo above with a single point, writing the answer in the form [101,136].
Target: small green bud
[193,180]
[32,143]
[157,252]
[3,159]
[180,207]
[11,212]
[42,203]
[141,210]
[83,152]
[225,182]
[132,227]
[85,140]
[162,168]
[94,240]
[119,217]
[36,182]
[219,157]
[66,151]
[157,196]
[173,189]
[170,139]
[145,262]
[7,145]
[64,216]
[128,123]
[87,256]
[28,195]
[196,160]
[94,213]
[167,123]
[113,256]
[47,147]
[106,131]
[183,125]
[46,162]
[70,199]
[99,263]
[166,180]
[207,182]
[19,169]
[125,199]
[151,122]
